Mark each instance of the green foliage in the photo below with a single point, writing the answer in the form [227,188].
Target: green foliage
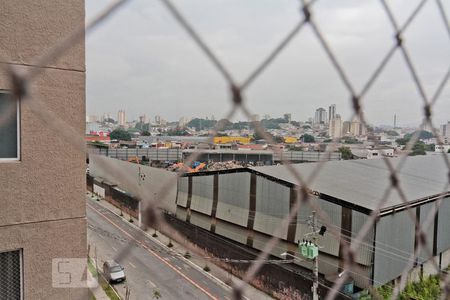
[120,134]
[103,283]
[272,123]
[448,151]
[201,124]
[328,141]
[346,153]
[142,126]
[385,291]
[240,125]
[219,134]
[98,144]
[307,138]
[392,133]
[423,135]
[156,294]
[177,132]
[402,141]
[295,148]
[350,140]
[146,133]
[139,126]
[427,288]
[418,149]
[91,296]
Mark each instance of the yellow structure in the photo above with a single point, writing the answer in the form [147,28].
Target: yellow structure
[290,139]
[231,139]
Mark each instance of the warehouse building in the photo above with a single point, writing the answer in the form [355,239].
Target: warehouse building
[248,206]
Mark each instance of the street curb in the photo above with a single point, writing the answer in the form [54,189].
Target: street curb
[169,250]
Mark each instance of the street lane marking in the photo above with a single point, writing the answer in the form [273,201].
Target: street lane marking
[191,264]
[114,248]
[178,267]
[151,283]
[131,264]
[156,255]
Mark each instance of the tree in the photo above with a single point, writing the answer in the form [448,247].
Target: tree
[351,140]
[201,124]
[402,141]
[346,153]
[177,132]
[423,135]
[392,133]
[418,149]
[120,134]
[307,138]
[146,133]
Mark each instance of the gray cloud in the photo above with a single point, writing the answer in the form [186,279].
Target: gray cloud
[142,61]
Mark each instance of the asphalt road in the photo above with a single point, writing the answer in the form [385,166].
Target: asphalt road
[148,266]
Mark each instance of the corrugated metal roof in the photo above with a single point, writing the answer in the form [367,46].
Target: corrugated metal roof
[363,182]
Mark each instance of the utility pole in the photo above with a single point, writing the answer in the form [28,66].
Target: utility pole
[310,250]
[316,259]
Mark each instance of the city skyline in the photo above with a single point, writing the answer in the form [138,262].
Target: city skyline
[166,72]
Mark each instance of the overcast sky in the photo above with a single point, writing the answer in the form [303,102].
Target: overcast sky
[142,61]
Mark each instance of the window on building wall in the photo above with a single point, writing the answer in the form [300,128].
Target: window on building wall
[11,275]
[9,127]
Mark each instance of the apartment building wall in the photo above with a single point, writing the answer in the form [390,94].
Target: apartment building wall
[42,193]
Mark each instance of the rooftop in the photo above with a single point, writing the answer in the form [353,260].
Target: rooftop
[363,182]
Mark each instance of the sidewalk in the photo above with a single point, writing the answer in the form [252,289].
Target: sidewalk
[98,292]
[218,274]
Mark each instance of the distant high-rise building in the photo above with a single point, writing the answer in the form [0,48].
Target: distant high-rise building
[183,121]
[346,127]
[357,128]
[445,130]
[158,119]
[321,116]
[121,119]
[143,119]
[92,119]
[287,117]
[331,112]
[266,117]
[335,129]
[256,117]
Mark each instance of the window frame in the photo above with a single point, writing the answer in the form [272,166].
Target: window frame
[20,250]
[18,156]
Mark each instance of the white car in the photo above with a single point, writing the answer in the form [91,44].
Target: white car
[113,272]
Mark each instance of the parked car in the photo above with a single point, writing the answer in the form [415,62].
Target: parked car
[113,272]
